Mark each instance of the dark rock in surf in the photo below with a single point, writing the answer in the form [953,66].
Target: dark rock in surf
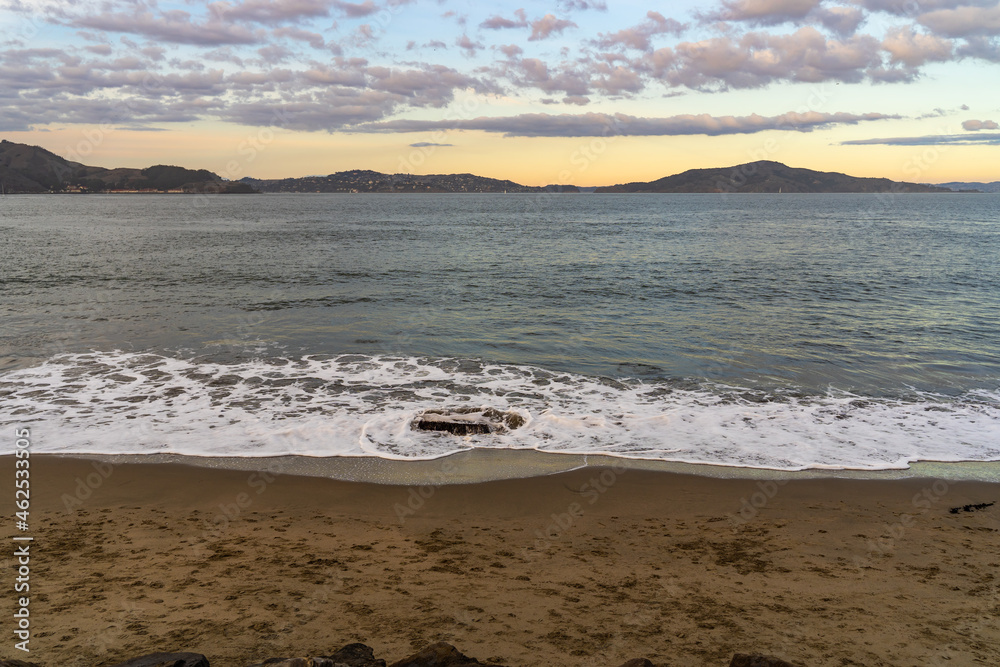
[467,421]
[167,660]
[440,654]
[446,425]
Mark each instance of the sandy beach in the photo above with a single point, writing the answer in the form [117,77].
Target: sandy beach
[589,567]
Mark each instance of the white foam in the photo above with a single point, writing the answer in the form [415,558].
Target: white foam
[129,403]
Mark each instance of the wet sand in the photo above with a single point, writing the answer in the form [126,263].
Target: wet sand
[587,567]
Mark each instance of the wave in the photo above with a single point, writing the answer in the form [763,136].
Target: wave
[358,405]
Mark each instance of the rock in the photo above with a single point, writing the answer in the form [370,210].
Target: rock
[448,425]
[299,662]
[639,662]
[17,663]
[467,421]
[757,660]
[352,655]
[439,655]
[357,655]
[167,660]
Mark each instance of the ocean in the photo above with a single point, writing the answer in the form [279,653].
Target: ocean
[785,332]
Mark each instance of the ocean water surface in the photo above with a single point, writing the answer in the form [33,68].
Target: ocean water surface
[775,331]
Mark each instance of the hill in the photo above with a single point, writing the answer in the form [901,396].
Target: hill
[374,181]
[967,187]
[31,169]
[28,169]
[768,176]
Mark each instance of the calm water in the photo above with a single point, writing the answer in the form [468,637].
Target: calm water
[765,330]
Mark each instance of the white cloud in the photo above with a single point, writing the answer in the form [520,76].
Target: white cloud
[600,124]
[976,125]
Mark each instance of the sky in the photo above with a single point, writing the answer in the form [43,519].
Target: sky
[578,92]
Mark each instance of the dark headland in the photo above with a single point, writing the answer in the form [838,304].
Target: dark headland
[28,169]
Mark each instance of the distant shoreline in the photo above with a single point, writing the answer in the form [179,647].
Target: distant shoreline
[28,169]
[409,192]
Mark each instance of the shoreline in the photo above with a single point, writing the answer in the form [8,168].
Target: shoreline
[592,566]
[481,465]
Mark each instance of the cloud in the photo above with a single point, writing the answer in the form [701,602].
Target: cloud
[750,60]
[173,26]
[100,49]
[547,26]
[248,80]
[363,35]
[497,22]
[42,86]
[274,53]
[616,80]
[343,73]
[265,39]
[914,49]
[460,19]
[912,7]
[963,21]
[329,110]
[427,86]
[269,12]
[581,5]
[843,21]
[511,50]
[223,22]
[762,12]
[535,73]
[313,39]
[62,109]
[468,46]
[983,48]
[637,37]
[601,124]
[756,59]
[930,140]
[153,52]
[428,144]
[356,10]
[977,125]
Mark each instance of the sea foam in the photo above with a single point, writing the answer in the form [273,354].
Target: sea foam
[358,405]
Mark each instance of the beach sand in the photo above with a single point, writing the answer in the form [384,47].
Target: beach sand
[589,567]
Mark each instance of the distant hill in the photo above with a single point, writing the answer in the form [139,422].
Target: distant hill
[28,169]
[768,176]
[374,181]
[981,187]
